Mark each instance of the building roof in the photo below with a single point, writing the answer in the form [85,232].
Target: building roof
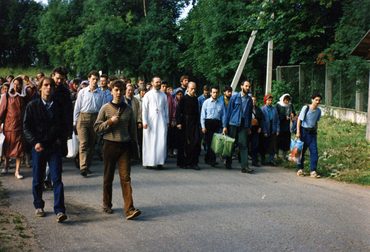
[362,49]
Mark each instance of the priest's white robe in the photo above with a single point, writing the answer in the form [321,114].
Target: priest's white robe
[155,115]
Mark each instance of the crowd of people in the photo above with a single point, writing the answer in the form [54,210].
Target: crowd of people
[146,122]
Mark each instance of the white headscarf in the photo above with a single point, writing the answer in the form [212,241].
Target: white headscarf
[13,93]
[281,100]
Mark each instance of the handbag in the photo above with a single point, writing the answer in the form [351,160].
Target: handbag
[73,145]
[222,145]
[228,146]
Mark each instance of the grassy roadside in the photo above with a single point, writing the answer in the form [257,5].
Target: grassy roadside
[344,154]
[15,233]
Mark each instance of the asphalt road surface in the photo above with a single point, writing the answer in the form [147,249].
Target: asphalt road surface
[213,209]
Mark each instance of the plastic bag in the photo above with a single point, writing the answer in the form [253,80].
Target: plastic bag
[2,138]
[217,144]
[73,145]
[296,147]
[228,146]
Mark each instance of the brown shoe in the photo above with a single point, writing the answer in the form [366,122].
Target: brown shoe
[133,214]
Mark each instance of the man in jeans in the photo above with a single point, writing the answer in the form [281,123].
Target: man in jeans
[45,130]
[307,132]
[237,124]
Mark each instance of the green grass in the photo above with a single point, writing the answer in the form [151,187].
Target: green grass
[344,154]
[31,71]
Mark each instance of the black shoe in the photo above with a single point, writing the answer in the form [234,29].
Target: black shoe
[48,186]
[195,167]
[272,163]
[83,173]
[77,161]
[213,164]
[228,166]
[159,167]
[247,170]
[88,171]
[149,167]
[107,210]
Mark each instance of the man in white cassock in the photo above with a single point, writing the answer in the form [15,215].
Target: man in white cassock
[155,124]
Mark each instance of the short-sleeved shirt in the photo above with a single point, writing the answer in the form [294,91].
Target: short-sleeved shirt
[311,118]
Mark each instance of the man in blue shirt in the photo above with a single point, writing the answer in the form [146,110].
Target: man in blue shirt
[307,132]
[103,86]
[237,124]
[211,116]
[89,101]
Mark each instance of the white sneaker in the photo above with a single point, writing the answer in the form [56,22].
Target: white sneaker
[18,176]
[300,173]
[314,174]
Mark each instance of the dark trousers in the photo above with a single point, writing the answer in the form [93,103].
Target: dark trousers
[180,142]
[255,137]
[212,126]
[54,159]
[241,138]
[117,153]
[310,141]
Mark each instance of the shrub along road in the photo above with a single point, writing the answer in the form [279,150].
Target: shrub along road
[209,210]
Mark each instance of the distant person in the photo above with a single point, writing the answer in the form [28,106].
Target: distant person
[237,124]
[44,129]
[286,113]
[211,117]
[117,122]
[270,130]
[204,96]
[256,129]
[307,132]
[155,125]
[188,122]
[103,86]
[12,108]
[89,101]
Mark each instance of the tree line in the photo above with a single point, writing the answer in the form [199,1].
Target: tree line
[143,38]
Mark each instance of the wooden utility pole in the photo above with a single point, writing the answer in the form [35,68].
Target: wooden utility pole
[242,62]
[270,53]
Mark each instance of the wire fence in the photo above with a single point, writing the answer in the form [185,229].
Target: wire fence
[303,80]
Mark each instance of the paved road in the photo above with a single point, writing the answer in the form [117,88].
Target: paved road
[209,210]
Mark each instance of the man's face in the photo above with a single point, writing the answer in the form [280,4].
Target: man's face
[227,94]
[141,82]
[185,82]
[103,82]
[179,96]
[156,83]
[246,87]
[206,93]
[17,86]
[214,93]
[46,89]
[93,79]
[116,93]
[316,101]
[58,79]
[192,89]
[129,91]
[164,88]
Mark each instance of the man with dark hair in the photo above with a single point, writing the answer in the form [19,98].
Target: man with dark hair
[211,117]
[103,86]
[117,121]
[204,96]
[307,132]
[237,123]
[184,80]
[88,103]
[225,98]
[44,128]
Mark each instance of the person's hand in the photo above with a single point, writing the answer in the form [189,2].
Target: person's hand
[145,126]
[139,125]
[204,130]
[277,133]
[38,147]
[265,135]
[179,126]
[224,131]
[114,119]
[298,135]
[259,130]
